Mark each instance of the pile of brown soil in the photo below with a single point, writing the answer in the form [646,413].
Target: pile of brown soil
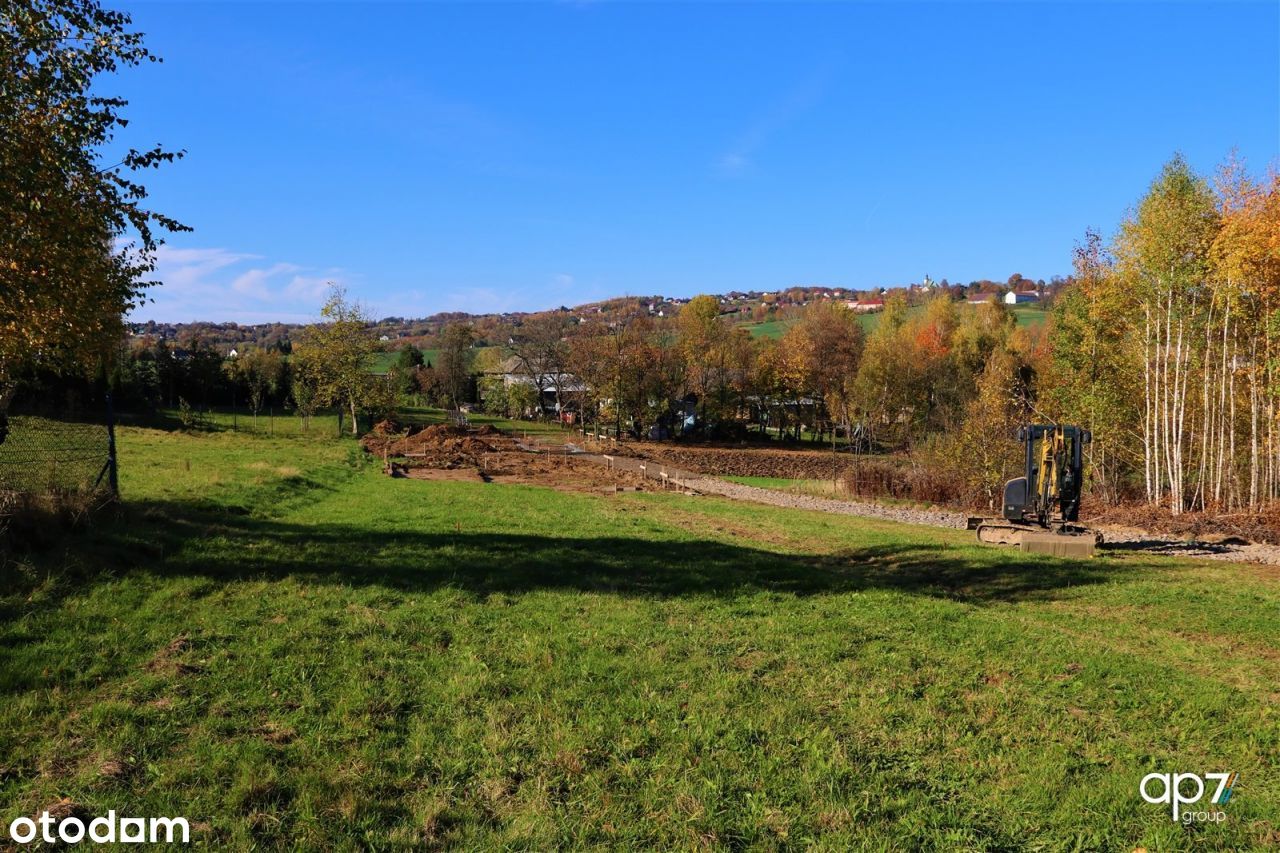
[438,446]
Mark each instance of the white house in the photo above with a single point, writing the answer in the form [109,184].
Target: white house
[1018,297]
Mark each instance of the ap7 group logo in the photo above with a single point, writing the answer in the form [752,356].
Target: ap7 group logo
[1185,789]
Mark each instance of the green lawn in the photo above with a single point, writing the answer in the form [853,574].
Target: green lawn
[823,488]
[294,651]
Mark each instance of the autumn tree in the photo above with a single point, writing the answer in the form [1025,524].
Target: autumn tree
[75,238]
[335,355]
[701,338]
[829,340]
[540,348]
[1092,365]
[1163,254]
[1245,258]
[984,450]
[629,371]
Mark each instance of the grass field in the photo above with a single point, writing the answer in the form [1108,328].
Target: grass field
[1027,315]
[292,650]
[822,488]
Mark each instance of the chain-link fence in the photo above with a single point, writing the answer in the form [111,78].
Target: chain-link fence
[62,447]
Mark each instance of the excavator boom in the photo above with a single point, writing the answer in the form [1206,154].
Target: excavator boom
[1041,508]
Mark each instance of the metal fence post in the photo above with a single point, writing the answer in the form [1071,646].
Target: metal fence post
[112,476]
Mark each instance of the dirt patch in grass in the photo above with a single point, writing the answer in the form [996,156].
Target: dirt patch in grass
[455,475]
[484,454]
[543,469]
[166,661]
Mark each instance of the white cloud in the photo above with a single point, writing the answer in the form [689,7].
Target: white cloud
[222,285]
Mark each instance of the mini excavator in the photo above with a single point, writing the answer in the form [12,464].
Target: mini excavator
[1041,508]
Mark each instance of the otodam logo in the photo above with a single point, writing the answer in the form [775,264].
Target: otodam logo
[1186,789]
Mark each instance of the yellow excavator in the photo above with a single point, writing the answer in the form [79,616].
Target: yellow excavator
[1042,507]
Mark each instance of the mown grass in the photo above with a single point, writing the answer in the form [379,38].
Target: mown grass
[798,485]
[294,651]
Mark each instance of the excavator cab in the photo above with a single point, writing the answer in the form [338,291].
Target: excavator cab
[1049,491]
[1041,508]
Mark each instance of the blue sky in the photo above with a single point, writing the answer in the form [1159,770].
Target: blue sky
[489,157]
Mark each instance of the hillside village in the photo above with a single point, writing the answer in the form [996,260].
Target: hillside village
[747,308]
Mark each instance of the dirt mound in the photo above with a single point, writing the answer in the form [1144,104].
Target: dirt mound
[436,446]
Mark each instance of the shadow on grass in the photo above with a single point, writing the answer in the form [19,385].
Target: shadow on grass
[185,539]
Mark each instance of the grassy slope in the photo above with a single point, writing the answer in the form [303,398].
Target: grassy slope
[1027,315]
[297,651]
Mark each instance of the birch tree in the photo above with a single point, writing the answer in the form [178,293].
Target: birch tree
[1163,255]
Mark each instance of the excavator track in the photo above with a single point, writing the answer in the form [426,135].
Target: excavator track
[1063,541]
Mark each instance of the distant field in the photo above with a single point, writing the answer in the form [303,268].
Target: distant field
[295,651]
[768,329]
[383,361]
[1027,315]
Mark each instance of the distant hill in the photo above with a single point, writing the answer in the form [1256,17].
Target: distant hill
[764,313]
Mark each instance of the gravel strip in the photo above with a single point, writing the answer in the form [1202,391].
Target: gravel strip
[739,491]
[1114,537]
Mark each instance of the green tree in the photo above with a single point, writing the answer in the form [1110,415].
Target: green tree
[261,371]
[68,271]
[454,363]
[334,355]
[406,369]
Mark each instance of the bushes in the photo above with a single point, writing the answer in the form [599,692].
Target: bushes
[915,479]
[39,520]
